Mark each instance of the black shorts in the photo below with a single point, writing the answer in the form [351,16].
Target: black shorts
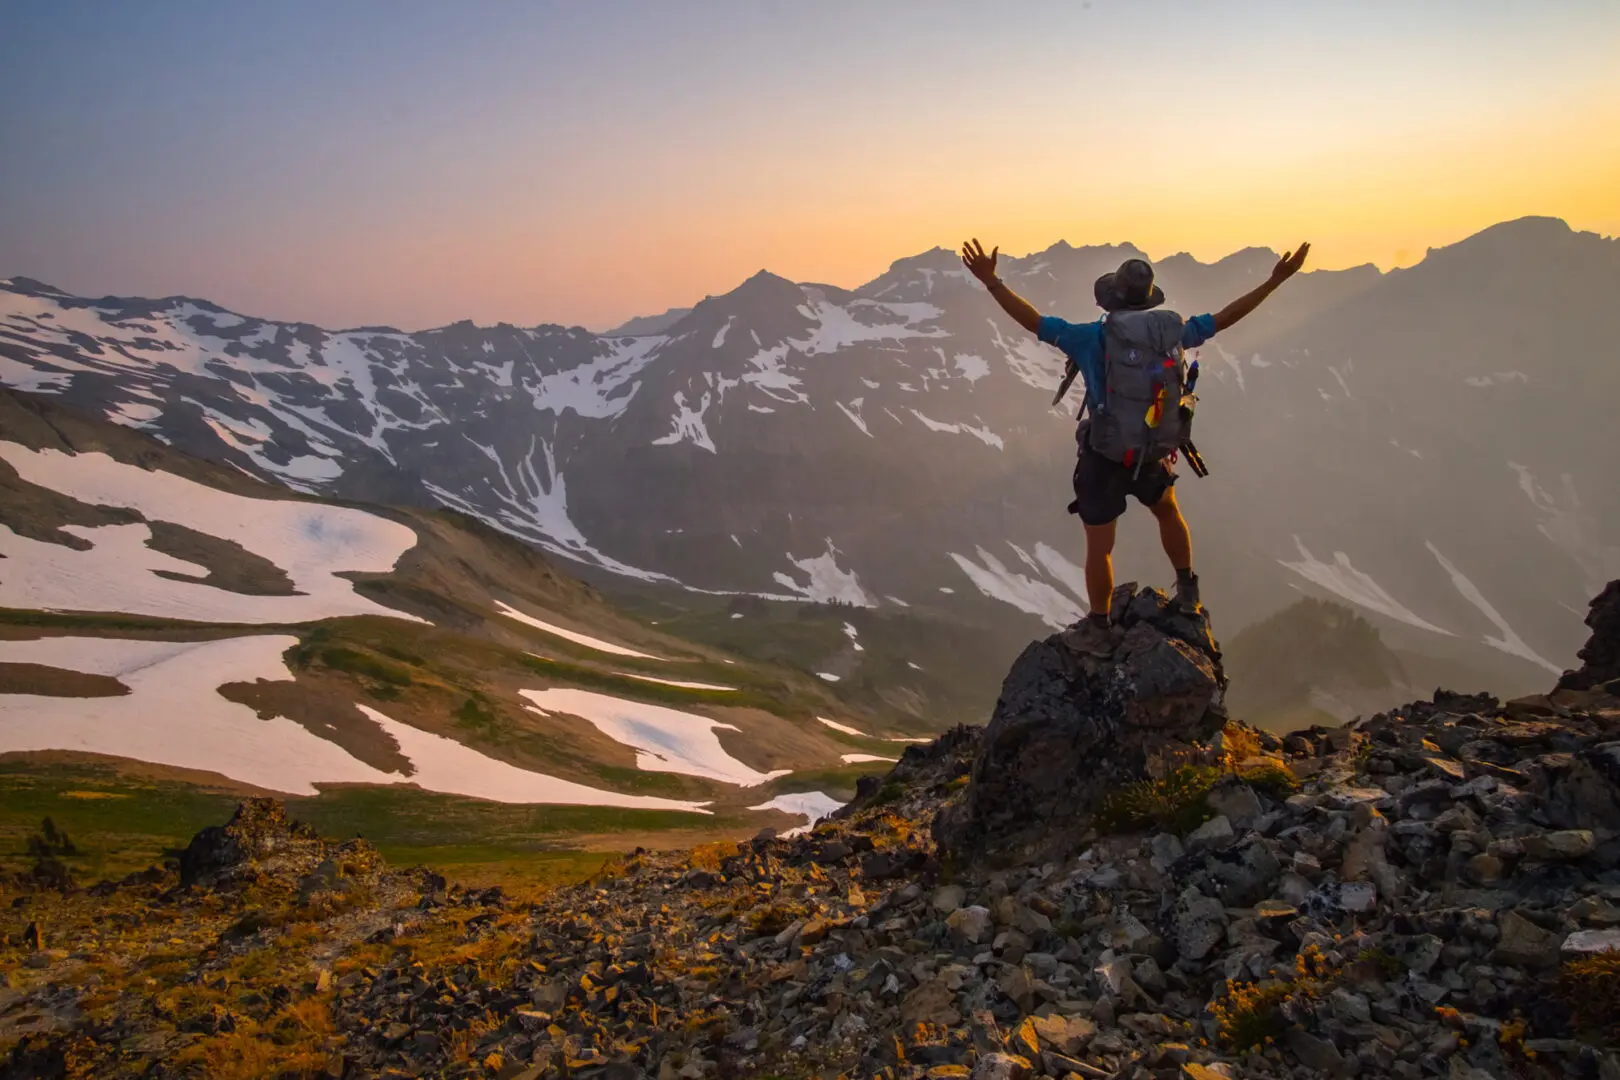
[1100,486]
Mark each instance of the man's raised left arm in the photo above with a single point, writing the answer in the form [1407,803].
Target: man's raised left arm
[1286,267]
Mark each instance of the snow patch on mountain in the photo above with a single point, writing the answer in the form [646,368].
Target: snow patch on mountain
[973,368]
[1067,574]
[1572,527]
[33,379]
[1500,378]
[1036,364]
[1396,443]
[134,413]
[840,325]
[571,635]
[311,543]
[1510,642]
[599,389]
[853,411]
[720,336]
[845,728]
[771,377]
[683,684]
[854,636]
[442,764]
[178,681]
[665,740]
[813,805]
[1337,374]
[984,435]
[827,581]
[996,581]
[1343,579]
[530,508]
[689,426]
[1231,362]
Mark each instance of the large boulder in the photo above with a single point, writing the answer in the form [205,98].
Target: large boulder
[1080,714]
[1601,656]
[259,839]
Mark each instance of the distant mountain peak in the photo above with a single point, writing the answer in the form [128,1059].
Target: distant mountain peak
[32,286]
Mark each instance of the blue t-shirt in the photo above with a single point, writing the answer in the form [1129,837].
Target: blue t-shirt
[1082,343]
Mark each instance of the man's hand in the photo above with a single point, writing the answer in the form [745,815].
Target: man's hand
[983,267]
[1286,267]
[979,264]
[1289,264]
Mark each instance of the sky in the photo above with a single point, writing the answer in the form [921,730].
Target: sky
[413,163]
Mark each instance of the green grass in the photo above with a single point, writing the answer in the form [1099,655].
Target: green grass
[1177,802]
[836,782]
[122,824]
[54,620]
[119,824]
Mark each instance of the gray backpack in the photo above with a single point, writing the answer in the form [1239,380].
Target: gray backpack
[1142,412]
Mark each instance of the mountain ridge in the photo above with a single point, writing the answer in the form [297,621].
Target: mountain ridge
[892,442]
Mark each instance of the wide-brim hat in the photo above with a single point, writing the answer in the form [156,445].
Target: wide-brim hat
[1130,288]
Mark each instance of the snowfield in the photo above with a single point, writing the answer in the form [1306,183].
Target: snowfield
[177,681]
[571,635]
[683,684]
[814,805]
[665,740]
[1026,594]
[445,765]
[1342,579]
[845,728]
[310,542]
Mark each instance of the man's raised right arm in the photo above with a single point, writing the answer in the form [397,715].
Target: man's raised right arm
[983,267]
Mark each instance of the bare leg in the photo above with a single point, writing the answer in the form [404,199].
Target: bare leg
[1100,566]
[1173,533]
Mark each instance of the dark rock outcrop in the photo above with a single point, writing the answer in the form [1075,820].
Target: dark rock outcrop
[1601,656]
[259,838]
[1081,713]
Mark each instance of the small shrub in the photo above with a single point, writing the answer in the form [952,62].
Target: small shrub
[1274,779]
[1177,802]
[1512,1038]
[709,856]
[50,842]
[772,920]
[1385,963]
[1590,987]
[892,792]
[1250,1015]
[1257,1014]
[475,714]
[1239,743]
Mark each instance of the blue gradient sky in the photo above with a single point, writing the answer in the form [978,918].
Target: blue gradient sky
[414,163]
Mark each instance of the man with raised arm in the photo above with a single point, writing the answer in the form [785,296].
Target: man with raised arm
[1121,448]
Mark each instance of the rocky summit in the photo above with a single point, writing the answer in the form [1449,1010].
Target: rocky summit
[1080,713]
[1433,891]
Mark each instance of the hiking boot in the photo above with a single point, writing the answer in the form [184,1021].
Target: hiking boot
[1187,600]
[1090,636]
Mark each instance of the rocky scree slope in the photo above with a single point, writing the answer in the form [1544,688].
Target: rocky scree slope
[1434,891]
